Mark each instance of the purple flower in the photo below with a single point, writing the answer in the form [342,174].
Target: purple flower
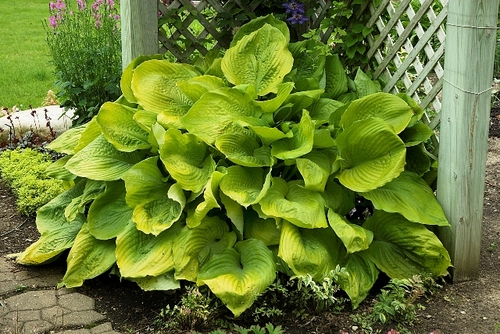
[294,7]
[53,21]
[297,18]
[81,4]
[110,3]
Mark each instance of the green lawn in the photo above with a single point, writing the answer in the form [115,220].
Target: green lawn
[25,70]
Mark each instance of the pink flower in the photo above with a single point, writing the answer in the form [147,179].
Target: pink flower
[116,17]
[110,3]
[53,21]
[60,4]
[98,24]
[52,6]
[81,4]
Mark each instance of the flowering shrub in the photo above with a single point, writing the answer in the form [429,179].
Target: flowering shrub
[85,44]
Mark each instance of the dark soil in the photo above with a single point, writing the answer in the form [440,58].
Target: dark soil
[469,307]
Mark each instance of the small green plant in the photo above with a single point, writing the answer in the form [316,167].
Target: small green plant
[85,45]
[491,248]
[197,309]
[497,328]
[302,296]
[256,329]
[397,303]
[23,171]
[21,287]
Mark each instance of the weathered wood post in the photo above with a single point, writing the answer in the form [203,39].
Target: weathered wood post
[468,73]
[139,25]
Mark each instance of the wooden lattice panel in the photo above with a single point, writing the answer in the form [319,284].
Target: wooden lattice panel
[407,49]
[198,25]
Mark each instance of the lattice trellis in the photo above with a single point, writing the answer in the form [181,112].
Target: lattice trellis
[407,48]
[206,13]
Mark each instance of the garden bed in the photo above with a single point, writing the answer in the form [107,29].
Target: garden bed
[470,307]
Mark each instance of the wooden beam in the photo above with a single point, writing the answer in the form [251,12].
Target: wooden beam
[468,73]
[139,26]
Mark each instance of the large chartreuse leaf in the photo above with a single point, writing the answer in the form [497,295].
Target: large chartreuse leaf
[109,214]
[128,72]
[265,230]
[372,155]
[216,110]
[402,249]
[416,134]
[208,202]
[78,205]
[52,243]
[300,144]
[336,77]
[326,110]
[235,213]
[365,85]
[163,282]
[99,160]
[154,85]
[242,147]
[90,133]
[57,234]
[239,275]
[388,107]
[195,87]
[315,168]
[88,258]
[309,251]
[260,58]
[246,185]
[258,23]
[271,105]
[159,212]
[120,129]
[418,112]
[358,277]
[57,170]
[144,180]
[187,160]
[291,201]
[410,196]
[140,255]
[193,247]
[354,237]
[67,141]
[299,101]
[269,135]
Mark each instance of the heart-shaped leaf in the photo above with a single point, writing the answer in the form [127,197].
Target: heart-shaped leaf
[239,275]
[291,201]
[372,155]
[411,197]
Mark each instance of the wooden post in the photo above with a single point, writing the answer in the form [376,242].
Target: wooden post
[468,73]
[139,25]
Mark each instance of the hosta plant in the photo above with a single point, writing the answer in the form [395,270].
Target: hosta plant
[229,170]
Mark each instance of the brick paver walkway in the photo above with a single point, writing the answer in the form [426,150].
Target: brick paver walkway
[29,303]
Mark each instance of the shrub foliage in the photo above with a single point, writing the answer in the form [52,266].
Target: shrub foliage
[222,173]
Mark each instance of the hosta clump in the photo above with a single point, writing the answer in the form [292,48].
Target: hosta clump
[225,172]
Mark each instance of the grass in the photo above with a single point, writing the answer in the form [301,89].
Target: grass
[25,66]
